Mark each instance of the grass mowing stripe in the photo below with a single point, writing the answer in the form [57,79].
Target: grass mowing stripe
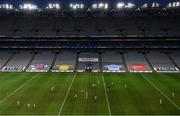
[161,92]
[107,99]
[67,93]
[18,88]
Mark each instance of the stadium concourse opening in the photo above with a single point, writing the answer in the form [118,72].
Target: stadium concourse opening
[96,59]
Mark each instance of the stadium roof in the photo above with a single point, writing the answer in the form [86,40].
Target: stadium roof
[44,2]
[93,6]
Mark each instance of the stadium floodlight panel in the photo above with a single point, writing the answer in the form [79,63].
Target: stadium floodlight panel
[6,6]
[129,5]
[53,6]
[76,6]
[100,5]
[28,6]
[155,5]
[145,5]
[120,5]
[152,5]
[173,5]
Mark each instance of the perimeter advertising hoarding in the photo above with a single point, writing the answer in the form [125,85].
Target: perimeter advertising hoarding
[166,69]
[64,67]
[114,67]
[139,67]
[88,59]
[39,67]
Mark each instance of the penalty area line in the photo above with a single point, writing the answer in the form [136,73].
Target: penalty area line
[67,93]
[13,92]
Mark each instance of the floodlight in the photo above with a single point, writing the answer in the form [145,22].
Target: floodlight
[76,6]
[100,5]
[155,5]
[129,5]
[178,3]
[120,5]
[145,5]
[173,5]
[94,6]
[28,6]
[53,6]
[6,6]
[152,5]
[106,6]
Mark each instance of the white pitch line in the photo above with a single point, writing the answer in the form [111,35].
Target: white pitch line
[162,93]
[67,93]
[107,99]
[17,89]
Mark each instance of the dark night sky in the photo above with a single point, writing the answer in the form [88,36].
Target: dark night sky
[44,2]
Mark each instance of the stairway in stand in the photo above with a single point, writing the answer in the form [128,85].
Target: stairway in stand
[100,62]
[77,59]
[32,58]
[8,60]
[148,61]
[53,62]
[172,60]
[124,61]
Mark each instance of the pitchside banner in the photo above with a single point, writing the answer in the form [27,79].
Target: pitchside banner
[64,67]
[88,60]
[13,68]
[114,67]
[166,69]
[138,67]
[38,66]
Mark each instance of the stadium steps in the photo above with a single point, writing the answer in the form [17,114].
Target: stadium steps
[124,61]
[53,62]
[100,62]
[148,61]
[8,60]
[172,60]
[32,58]
[76,65]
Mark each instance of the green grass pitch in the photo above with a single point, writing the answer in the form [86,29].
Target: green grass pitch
[73,94]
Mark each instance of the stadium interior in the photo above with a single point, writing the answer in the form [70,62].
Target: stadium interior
[101,41]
